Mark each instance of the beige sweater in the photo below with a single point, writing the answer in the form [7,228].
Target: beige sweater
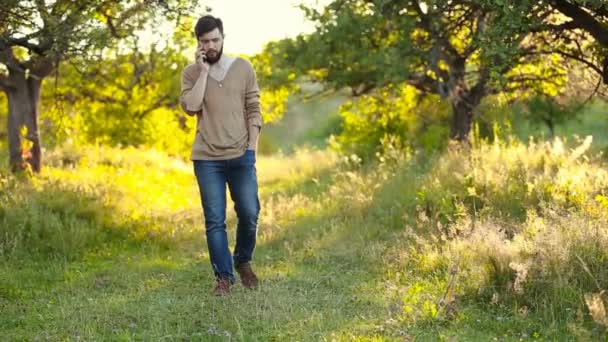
[230,111]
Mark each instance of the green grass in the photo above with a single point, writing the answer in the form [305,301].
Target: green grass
[310,117]
[591,120]
[109,244]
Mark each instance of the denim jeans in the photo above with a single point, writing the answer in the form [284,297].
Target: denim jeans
[240,175]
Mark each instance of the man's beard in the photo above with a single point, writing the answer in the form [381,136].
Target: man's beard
[214,60]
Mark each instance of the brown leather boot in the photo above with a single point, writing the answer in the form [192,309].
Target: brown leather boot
[248,278]
[222,287]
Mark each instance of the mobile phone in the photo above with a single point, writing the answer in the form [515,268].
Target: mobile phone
[200,49]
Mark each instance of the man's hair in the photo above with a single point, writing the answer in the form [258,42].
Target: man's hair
[207,24]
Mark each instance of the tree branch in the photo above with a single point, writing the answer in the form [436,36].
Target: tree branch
[478,91]
[138,68]
[569,25]
[7,57]
[41,66]
[577,58]
[5,83]
[361,89]
[460,20]
[583,20]
[41,7]
[24,42]
[602,10]
[157,104]
[480,27]
[114,24]
[533,78]
[426,24]
[87,93]
[423,83]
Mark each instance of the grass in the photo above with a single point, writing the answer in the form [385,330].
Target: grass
[590,121]
[505,241]
[310,117]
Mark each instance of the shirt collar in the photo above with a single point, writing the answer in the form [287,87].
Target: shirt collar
[219,69]
[224,62]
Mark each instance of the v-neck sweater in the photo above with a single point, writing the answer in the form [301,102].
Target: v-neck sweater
[229,106]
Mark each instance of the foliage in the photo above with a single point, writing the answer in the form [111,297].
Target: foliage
[65,29]
[394,115]
[276,80]
[37,36]
[128,99]
[574,29]
[547,111]
[273,103]
[3,116]
[131,97]
[460,50]
[521,225]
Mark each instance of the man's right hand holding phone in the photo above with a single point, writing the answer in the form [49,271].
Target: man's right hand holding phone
[201,59]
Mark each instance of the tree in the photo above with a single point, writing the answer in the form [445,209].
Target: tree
[452,48]
[36,35]
[113,97]
[276,80]
[590,16]
[574,29]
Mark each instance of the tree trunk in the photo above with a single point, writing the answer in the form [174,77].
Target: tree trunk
[462,107]
[464,101]
[462,118]
[550,124]
[23,101]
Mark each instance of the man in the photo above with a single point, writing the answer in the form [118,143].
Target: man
[222,92]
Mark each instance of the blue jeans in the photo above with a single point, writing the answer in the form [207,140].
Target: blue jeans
[240,175]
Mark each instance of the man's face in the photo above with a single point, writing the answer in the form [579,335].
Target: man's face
[212,43]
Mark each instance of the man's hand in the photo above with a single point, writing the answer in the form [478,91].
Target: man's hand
[254,132]
[193,94]
[201,59]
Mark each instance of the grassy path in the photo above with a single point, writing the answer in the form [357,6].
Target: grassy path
[152,280]
[110,245]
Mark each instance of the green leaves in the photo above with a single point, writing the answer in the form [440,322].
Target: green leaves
[461,50]
[396,113]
